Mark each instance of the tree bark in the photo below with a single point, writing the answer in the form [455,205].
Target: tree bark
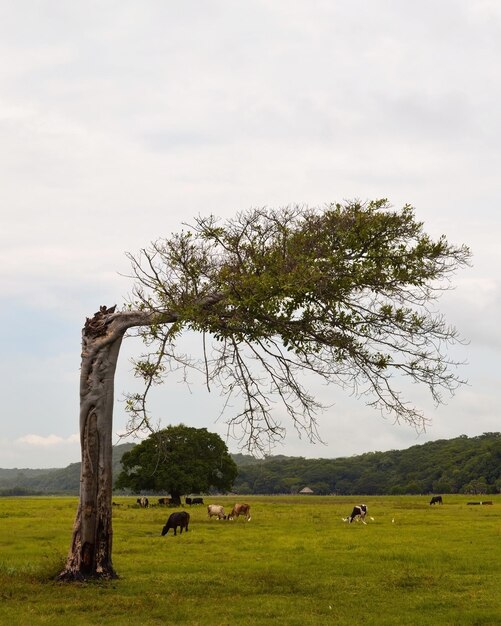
[91,546]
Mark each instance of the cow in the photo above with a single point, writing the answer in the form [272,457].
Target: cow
[240,509]
[181,519]
[164,501]
[359,512]
[216,510]
[143,502]
[191,501]
[436,500]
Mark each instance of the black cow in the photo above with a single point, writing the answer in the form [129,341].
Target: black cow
[436,500]
[191,501]
[359,512]
[181,519]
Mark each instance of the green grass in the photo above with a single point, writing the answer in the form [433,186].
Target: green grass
[296,562]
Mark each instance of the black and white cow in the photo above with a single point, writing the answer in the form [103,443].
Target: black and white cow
[436,500]
[143,502]
[358,514]
[181,519]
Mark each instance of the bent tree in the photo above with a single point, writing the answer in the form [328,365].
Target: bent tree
[345,292]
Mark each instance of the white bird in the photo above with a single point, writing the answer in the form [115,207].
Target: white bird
[393,521]
[372,519]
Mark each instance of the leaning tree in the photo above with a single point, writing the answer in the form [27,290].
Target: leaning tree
[345,292]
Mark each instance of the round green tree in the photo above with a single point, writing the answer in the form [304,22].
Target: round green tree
[178,460]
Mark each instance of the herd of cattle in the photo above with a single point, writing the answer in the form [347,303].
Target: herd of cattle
[144,503]
[181,519]
[359,512]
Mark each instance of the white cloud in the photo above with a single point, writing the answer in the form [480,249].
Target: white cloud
[39,451]
[120,122]
[48,440]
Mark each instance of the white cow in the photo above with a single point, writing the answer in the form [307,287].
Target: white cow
[216,510]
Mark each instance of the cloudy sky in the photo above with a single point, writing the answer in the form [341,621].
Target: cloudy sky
[121,120]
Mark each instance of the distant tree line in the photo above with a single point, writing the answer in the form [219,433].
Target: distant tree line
[64,480]
[469,465]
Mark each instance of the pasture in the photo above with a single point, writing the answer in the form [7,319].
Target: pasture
[295,563]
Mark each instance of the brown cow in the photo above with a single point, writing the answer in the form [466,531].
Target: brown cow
[240,509]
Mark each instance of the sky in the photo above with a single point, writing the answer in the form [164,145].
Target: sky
[121,120]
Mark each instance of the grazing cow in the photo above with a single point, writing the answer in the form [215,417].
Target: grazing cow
[216,510]
[164,501]
[436,500]
[143,502]
[358,514]
[240,509]
[191,501]
[181,519]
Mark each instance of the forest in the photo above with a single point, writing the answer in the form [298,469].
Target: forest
[469,465]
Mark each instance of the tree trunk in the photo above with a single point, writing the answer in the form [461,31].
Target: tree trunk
[175,498]
[90,551]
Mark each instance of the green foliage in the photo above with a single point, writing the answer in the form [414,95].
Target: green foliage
[342,292]
[460,465]
[295,564]
[178,460]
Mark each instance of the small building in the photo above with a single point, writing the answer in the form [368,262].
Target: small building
[306,491]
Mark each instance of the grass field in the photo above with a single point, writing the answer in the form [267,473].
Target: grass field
[295,563]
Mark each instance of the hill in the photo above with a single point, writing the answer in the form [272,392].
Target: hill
[462,465]
[55,481]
